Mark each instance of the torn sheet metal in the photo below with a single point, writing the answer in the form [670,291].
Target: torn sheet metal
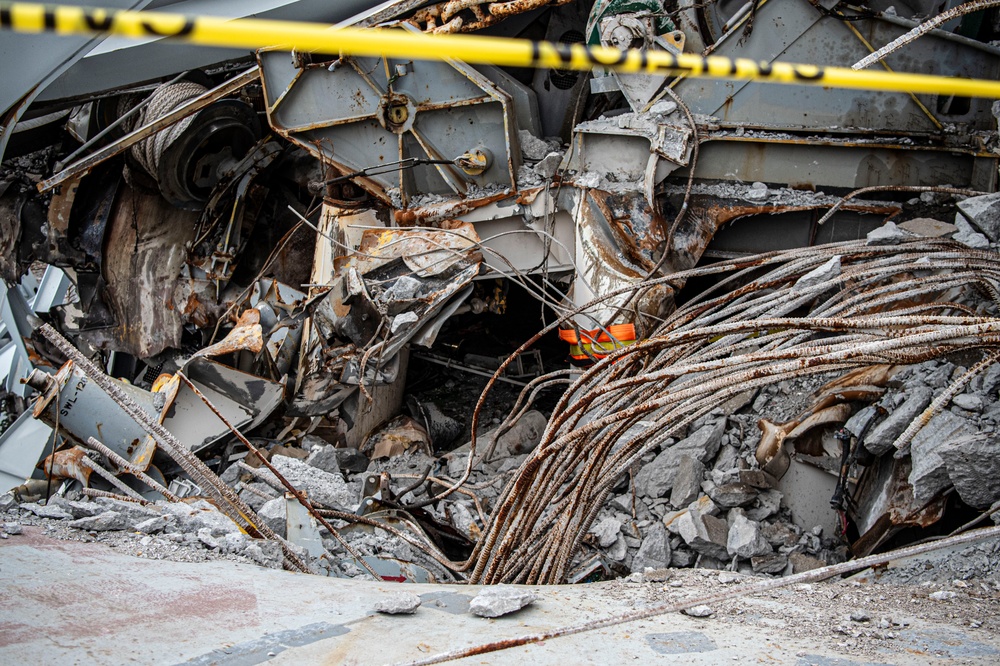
[22,445]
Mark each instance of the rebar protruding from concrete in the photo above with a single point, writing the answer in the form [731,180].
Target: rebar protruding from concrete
[114,480]
[127,466]
[228,501]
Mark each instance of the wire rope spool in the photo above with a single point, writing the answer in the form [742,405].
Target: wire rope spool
[191,156]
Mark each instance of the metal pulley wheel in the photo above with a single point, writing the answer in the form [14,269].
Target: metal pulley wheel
[217,138]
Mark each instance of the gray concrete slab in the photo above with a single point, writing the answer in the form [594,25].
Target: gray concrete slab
[69,602]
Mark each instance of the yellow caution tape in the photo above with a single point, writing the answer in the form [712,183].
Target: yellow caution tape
[260,33]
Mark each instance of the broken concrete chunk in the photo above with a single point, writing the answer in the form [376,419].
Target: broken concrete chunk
[195,515]
[324,457]
[699,611]
[132,512]
[500,600]
[984,212]
[968,401]
[745,539]
[929,475]
[322,487]
[779,534]
[768,503]
[888,234]
[974,468]
[265,553]
[704,534]
[657,478]
[549,165]
[103,522]
[733,494]
[654,552]
[399,603]
[801,562]
[153,525]
[79,509]
[928,227]
[687,483]
[606,530]
[47,511]
[774,563]
[819,276]
[880,438]
[274,514]
[532,147]
[969,236]
[523,437]
[7,502]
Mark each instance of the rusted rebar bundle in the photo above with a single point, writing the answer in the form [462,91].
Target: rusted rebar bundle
[864,305]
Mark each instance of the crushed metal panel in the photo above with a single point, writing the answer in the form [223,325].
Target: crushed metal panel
[360,113]
[245,400]
[840,163]
[797,32]
[22,445]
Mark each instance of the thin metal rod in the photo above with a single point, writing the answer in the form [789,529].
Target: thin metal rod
[812,576]
[299,495]
[118,121]
[84,166]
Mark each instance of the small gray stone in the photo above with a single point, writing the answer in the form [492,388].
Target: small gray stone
[324,457]
[606,530]
[523,437]
[12,528]
[969,236]
[656,478]
[205,537]
[274,514]
[984,211]
[549,165]
[399,603]
[153,525]
[618,550]
[654,552]
[888,234]
[745,539]
[265,553]
[860,616]
[7,502]
[699,611]
[943,595]
[234,542]
[687,484]
[681,557]
[703,533]
[733,494]
[103,522]
[500,600]
[774,563]
[768,503]
[819,276]
[880,438]
[968,401]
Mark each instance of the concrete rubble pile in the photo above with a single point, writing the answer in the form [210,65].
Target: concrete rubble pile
[423,320]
